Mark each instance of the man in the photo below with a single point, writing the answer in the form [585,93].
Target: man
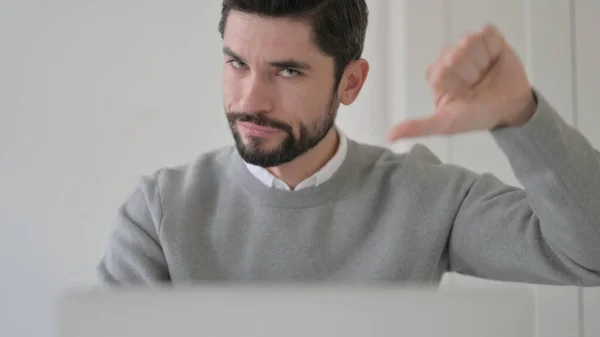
[295,200]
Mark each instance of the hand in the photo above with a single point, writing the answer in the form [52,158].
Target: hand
[480,84]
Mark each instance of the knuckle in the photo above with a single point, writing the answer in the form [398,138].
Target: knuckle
[455,58]
[439,77]
[465,41]
[443,72]
[434,79]
[468,42]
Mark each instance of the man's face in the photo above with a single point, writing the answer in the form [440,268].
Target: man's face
[278,88]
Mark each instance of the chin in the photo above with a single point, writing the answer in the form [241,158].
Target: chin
[267,143]
[264,156]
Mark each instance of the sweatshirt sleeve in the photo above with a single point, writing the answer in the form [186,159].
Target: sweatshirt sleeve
[134,254]
[549,231]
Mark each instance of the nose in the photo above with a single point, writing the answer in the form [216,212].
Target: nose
[257,95]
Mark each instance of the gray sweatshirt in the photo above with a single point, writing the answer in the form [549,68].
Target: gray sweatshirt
[382,217]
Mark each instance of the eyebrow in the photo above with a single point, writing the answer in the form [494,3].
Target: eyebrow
[289,63]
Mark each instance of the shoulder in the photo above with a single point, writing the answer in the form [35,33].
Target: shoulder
[205,171]
[385,158]
[418,167]
[211,162]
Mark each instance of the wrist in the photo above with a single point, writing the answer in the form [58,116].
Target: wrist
[525,113]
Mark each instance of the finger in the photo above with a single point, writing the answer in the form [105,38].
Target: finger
[493,41]
[475,49]
[465,68]
[434,124]
[443,78]
[444,84]
[455,70]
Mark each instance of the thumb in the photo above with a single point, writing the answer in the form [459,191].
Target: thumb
[434,124]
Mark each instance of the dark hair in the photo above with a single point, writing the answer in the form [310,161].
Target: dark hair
[339,26]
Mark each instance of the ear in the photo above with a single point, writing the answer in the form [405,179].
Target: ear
[352,81]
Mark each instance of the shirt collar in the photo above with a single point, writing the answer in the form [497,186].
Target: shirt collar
[318,178]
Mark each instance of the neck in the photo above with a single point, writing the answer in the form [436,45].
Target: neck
[304,166]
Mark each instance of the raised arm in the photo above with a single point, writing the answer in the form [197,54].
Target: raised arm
[548,232]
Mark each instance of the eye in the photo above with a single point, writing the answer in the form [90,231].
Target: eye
[237,64]
[290,73]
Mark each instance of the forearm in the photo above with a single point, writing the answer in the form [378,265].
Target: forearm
[560,172]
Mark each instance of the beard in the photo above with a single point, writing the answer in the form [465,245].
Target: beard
[290,147]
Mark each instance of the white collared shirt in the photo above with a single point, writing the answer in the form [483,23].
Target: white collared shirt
[314,180]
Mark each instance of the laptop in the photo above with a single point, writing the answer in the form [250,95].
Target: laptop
[295,311]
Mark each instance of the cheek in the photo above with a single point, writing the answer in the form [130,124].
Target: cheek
[305,105]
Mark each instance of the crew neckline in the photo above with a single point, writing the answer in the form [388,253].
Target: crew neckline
[339,183]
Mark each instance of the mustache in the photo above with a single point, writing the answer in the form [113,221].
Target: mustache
[258,119]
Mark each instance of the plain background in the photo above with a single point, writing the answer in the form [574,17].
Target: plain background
[95,93]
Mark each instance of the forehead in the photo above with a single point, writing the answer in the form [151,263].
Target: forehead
[279,37]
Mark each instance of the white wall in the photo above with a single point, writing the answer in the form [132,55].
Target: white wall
[587,81]
[93,94]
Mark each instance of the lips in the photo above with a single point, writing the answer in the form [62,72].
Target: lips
[252,129]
